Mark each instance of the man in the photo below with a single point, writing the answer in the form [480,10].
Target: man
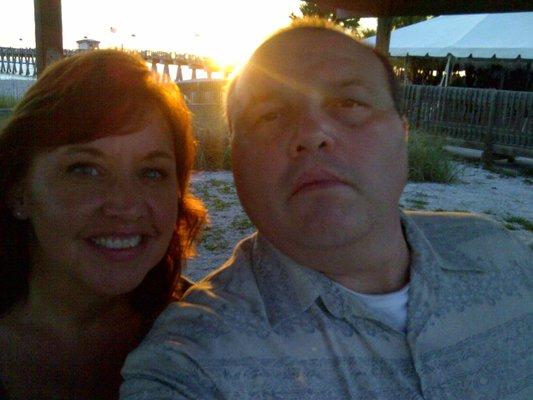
[340,295]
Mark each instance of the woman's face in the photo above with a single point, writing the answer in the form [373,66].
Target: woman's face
[103,212]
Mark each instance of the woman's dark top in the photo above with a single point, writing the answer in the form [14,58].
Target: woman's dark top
[184,284]
[3,393]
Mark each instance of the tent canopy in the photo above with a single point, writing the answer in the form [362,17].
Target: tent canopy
[392,8]
[507,35]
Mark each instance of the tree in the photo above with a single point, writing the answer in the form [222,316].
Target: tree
[364,33]
[400,22]
[310,9]
[397,22]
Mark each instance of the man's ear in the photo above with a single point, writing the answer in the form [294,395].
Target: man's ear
[17,203]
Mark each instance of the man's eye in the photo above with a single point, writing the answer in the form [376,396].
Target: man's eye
[83,169]
[268,117]
[154,174]
[343,103]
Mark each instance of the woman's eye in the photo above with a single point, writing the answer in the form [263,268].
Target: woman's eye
[347,103]
[154,173]
[83,169]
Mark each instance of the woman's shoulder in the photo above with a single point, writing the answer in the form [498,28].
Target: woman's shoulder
[3,393]
[183,285]
[9,343]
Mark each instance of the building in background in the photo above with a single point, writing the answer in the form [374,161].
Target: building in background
[88,44]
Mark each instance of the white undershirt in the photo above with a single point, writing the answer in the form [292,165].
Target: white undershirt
[391,306]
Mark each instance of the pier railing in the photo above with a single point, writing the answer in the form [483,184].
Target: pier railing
[22,62]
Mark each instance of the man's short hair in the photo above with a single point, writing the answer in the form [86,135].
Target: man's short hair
[317,23]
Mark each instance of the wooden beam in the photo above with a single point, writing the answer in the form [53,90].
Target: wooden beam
[391,8]
[383,35]
[48,32]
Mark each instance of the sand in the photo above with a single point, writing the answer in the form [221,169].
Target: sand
[500,197]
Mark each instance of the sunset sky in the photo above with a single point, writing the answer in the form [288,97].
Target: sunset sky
[225,30]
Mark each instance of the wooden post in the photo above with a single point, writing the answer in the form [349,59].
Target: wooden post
[383,34]
[166,72]
[48,32]
[179,74]
[487,156]
[417,106]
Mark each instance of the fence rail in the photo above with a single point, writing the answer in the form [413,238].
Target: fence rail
[204,91]
[22,62]
[496,121]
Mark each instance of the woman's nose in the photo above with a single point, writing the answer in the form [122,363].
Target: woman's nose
[124,199]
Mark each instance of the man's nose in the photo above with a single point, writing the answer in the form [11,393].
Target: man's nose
[313,132]
[124,199]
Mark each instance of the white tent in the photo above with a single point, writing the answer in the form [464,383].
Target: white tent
[506,35]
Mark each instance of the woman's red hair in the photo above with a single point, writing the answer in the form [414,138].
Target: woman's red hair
[76,100]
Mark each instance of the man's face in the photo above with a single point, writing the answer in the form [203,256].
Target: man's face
[319,152]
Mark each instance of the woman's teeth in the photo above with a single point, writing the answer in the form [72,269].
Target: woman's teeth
[116,243]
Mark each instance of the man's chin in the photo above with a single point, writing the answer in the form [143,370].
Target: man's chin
[332,223]
[325,235]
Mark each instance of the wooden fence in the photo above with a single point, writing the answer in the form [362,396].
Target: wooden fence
[496,121]
[205,91]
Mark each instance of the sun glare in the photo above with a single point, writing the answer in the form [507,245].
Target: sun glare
[246,27]
[233,29]
[227,31]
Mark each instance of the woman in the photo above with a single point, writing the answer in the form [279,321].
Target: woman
[95,222]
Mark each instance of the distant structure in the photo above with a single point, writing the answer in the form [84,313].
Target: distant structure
[22,61]
[490,51]
[88,44]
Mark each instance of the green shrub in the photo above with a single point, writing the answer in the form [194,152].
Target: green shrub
[226,159]
[213,239]
[428,161]
[7,101]
[512,220]
[242,223]
[211,151]
[212,136]
[527,171]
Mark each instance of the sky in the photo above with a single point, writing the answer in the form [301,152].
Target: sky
[226,30]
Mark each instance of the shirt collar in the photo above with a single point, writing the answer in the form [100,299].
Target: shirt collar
[424,256]
[288,288]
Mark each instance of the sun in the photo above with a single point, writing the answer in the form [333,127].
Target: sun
[226,31]
[238,27]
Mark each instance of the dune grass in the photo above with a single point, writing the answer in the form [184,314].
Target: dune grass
[7,101]
[429,161]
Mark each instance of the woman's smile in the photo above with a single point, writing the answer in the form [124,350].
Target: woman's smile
[117,205]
